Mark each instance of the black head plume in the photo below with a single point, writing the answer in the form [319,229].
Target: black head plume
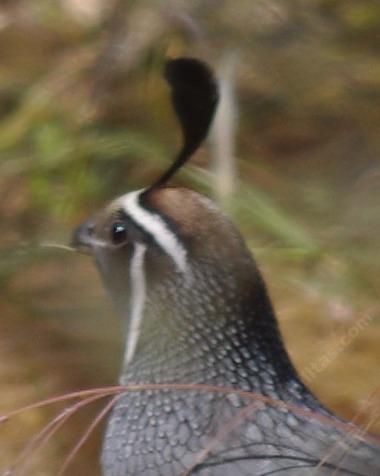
[194,93]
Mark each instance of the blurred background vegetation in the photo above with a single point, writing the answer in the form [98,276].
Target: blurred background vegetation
[85,116]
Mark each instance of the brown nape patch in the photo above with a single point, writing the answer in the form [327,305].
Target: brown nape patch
[193,214]
[203,228]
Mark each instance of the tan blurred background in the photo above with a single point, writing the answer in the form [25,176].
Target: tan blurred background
[85,115]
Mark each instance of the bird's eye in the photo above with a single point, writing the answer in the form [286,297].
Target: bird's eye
[118,232]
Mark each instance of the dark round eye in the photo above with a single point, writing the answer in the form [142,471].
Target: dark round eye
[118,232]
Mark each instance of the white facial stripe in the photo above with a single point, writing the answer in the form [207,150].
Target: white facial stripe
[138,296]
[154,225]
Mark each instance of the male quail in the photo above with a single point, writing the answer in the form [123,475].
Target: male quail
[198,312]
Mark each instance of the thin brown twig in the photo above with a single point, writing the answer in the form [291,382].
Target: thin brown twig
[58,246]
[116,390]
[364,428]
[47,432]
[352,444]
[224,431]
[61,398]
[355,431]
[329,420]
[87,434]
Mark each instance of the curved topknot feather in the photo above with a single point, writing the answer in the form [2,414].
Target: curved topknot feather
[194,94]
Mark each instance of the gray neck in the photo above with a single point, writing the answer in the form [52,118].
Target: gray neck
[205,329]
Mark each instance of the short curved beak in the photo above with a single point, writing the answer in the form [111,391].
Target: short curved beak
[82,237]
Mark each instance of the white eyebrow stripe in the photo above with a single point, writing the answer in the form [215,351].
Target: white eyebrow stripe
[156,226]
[137,303]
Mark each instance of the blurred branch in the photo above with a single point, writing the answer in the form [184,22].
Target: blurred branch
[224,130]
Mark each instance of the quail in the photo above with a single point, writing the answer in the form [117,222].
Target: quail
[197,312]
